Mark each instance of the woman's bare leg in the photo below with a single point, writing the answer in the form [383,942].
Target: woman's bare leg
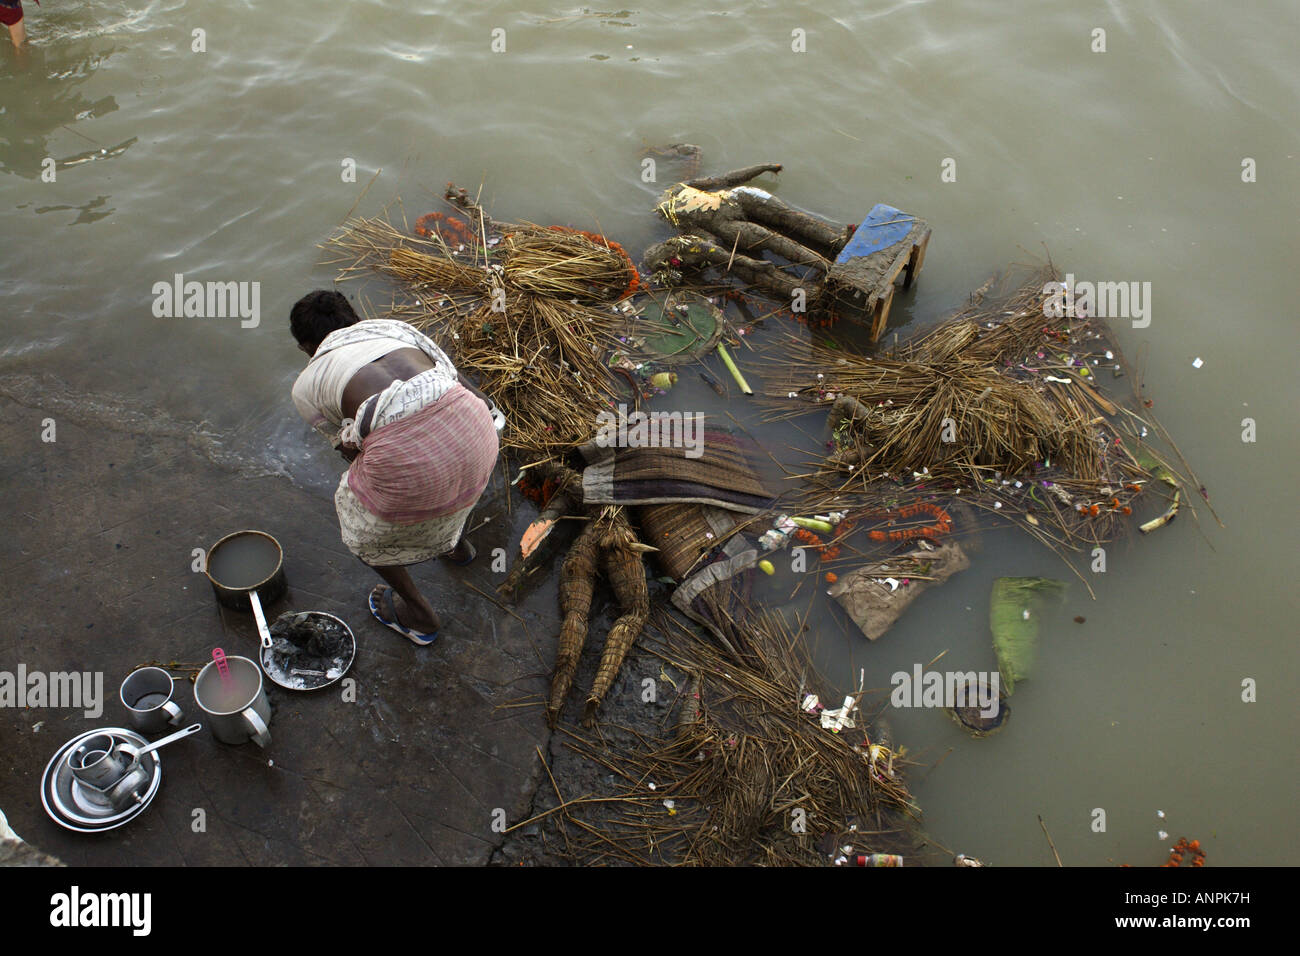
[18,33]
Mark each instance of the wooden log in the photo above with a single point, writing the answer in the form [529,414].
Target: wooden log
[736,177]
[699,253]
[567,500]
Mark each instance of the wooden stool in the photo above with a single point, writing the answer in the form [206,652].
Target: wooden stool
[863,277]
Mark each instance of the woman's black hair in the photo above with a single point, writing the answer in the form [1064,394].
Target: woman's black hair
[319,313]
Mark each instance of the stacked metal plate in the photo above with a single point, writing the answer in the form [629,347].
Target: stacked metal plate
[84,809]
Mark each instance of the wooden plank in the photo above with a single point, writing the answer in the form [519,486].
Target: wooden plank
[881,318]
[917,260]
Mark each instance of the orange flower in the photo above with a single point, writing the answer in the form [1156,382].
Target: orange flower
[449,229]
[831,577]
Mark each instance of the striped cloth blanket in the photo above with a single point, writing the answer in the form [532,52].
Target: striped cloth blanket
[429,463]
[725,474]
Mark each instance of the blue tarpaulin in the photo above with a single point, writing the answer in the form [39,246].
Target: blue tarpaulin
[873,235]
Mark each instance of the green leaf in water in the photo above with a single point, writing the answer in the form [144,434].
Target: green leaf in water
[1013,617]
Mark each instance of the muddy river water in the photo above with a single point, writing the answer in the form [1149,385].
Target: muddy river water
[1160,150]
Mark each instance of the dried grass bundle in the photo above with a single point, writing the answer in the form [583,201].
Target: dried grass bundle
[508,318]
[999,404]
[436,273]
[564,264]
[750,777]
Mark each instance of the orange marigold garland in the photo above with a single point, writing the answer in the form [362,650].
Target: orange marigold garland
[1182,848]
[829,551]
[942,524]
[451,230]
[538,493]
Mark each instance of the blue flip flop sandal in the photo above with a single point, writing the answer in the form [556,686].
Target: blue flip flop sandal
[377,597]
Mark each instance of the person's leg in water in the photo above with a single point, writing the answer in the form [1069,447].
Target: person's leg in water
[17,29]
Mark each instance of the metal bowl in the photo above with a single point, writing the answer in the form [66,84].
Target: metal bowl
[290,681]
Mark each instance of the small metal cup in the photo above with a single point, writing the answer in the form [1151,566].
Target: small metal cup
[155,688]
[98,763]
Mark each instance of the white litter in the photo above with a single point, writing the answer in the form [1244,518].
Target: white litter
[841,717]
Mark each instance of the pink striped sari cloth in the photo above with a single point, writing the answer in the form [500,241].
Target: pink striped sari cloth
[429,463]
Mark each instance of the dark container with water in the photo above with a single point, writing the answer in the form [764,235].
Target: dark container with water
[246,562]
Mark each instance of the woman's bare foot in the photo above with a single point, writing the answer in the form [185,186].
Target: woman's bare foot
[420,618]
[463,553]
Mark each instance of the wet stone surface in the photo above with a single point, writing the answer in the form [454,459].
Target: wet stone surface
[408,767]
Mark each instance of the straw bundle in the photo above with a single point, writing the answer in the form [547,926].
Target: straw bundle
[563,265]
[1000,404]
[682,533]
[577,585]
[517,314]
[750,778]
[957,419]
[542,363]
[436,273]
[626,573]
[608,542]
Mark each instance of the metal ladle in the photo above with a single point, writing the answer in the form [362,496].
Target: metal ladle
[128,789]
[135,753]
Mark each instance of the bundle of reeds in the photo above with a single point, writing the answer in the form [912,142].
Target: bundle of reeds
[432,276]
[959,419]
[436,273]
[518,313]
[564,264]
[999,404]
[577,585]
[540,360]
[626,574]
[749,778]
[607,542]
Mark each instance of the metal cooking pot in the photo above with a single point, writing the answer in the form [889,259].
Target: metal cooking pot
[271,588]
